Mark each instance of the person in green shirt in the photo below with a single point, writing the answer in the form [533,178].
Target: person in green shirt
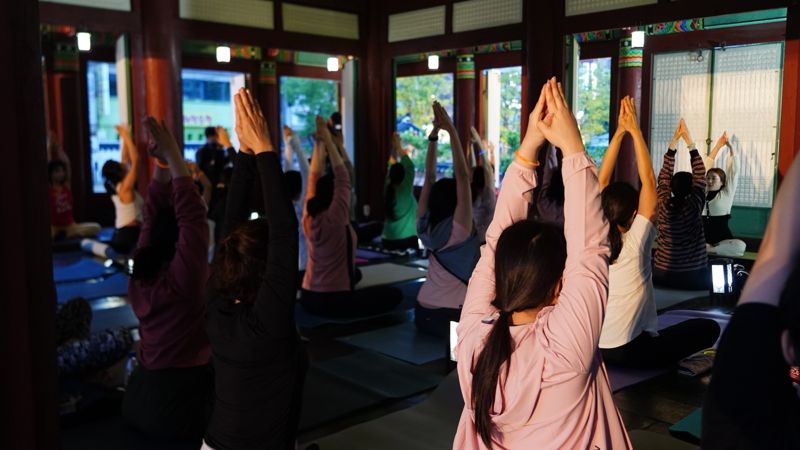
[400,228]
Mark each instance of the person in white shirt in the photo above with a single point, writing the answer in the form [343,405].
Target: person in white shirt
[630,335]
[720,190]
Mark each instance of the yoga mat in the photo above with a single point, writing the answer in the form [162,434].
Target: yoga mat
[84,269]
[679,315]
[122,316]
[115,285]
[689,428]
[105,234]
[387,273]
[621,377]
[327,398]
[361,261]
[430,425]
[670,297]
[305,319]
[381,375]
[403,342]
[656,441]
[371,255]
[419,263]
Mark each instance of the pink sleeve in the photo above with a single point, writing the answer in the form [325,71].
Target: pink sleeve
[572,329]
[512,206]
[339,211]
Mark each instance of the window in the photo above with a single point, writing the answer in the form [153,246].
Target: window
[414,96]
[737,90]
[593,105]
[302,100]
[503,115]
[207,102]
[103,106]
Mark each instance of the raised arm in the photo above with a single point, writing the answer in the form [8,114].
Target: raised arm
[430,168]
[242,180]
[274,304]
[482,160]
[647,194]
[512,206]
[463,212]
[577,318]
[340,205]
[200,177]
[610,157]
[780,250]
[663,189]
[125,190]
[190,262]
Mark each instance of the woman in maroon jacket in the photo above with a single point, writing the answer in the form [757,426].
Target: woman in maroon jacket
[169,392]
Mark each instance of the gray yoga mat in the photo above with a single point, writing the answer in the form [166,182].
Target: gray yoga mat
[327,398]
[655,441]
[430,425]
[403,342]
[381,375]
[670,297]
[304,319]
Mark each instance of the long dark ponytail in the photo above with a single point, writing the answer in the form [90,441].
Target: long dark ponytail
[396,176]
[529,263]
[620,200]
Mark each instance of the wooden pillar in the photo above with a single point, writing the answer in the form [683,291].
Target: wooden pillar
[27,324]
[373,113]
[543,46]
[630,83]
[161,65]
[790,102]
[68,119]
[268,97]
[465,96]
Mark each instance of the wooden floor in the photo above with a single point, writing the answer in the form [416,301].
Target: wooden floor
[654,405]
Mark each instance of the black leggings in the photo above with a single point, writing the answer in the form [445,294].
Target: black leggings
[670,346]
[170,403]
[691,280]
[435,321]
[358,303]
[124,239]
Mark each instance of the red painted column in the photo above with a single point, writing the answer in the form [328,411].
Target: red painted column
[543,46]
[465,96]
[67,119]
[27,319]
[161,66]
[790,102]
[630,83]
[373,113]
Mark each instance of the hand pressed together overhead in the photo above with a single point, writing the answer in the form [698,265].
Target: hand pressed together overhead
[556,123]
[251,126]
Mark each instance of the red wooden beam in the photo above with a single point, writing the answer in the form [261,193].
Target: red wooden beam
[446,65]
[790,102]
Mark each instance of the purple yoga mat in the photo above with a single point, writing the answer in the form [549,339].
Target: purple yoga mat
[371,255]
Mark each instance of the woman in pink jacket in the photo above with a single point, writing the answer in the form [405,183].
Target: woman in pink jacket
[530,371]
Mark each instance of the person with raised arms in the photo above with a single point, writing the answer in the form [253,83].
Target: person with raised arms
[529,366]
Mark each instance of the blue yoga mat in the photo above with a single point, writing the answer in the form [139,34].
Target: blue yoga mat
[690,427]
[84,269]
[403,342]
[305,319]
[115,285]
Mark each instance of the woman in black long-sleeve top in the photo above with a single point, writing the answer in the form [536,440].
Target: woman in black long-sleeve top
[258,359]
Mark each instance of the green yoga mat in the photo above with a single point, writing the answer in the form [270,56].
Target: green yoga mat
[689,428]
[381,375]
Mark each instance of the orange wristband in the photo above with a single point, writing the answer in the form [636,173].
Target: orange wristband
[162,165]
[524,161]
